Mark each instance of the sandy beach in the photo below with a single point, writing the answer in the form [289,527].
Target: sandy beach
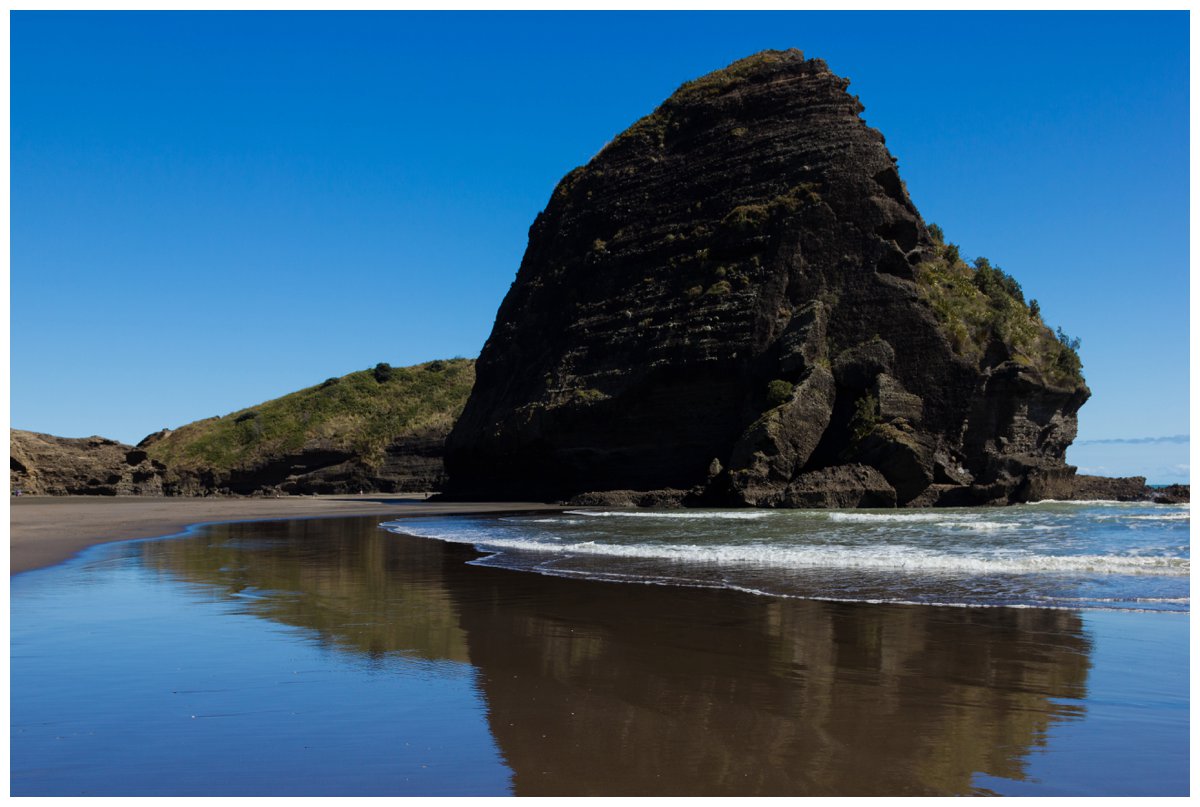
[343,659]
[45,530]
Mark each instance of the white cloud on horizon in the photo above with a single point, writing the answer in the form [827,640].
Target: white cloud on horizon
[1174,438]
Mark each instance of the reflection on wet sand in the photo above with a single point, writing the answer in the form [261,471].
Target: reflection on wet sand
[601,688]
[348,583]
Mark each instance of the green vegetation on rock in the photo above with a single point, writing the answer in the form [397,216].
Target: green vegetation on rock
[359,412]
[979,303]
[864,421]
[752,217]
[779,392]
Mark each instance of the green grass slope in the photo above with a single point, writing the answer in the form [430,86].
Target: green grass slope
[361,412]
[980,302]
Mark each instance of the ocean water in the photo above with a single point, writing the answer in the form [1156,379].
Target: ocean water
[1095,555]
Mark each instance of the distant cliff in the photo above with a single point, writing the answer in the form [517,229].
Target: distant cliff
[737,303]
[379,430]
[45,465]
[374,430]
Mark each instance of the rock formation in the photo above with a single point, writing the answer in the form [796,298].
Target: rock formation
[408,463]
[45,465]
[381,431]
[1084,487]
[736,301]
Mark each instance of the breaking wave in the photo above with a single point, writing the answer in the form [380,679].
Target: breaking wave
[895,557]
[1091,555]
[677,515]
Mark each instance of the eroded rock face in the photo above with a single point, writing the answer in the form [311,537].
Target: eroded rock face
[726,300]
[412,463]
[45,465]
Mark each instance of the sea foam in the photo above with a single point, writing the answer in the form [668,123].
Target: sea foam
[894,557]
[676,515]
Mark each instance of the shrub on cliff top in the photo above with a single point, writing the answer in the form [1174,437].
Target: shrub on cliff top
[995,282]
[1067,359]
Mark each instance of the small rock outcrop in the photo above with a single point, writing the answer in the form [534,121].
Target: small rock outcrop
[737,299]
[45,465]
[1084,487]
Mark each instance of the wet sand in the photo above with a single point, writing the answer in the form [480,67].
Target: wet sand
[45,530]
[346,660]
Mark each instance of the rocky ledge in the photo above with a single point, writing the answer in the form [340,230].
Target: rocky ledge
[737,303]
[409,463]
[45,465]
[1082,487]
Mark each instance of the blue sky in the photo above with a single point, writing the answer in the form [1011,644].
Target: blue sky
[209,210]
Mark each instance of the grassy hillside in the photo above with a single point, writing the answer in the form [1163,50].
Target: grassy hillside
[362,412]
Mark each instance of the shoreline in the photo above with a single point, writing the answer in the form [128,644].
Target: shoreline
[49,530]
[346,660]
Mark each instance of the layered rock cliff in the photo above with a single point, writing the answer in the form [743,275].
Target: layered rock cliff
[45,465]
[737,303]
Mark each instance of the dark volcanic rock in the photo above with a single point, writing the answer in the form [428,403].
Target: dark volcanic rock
[1083,487]
[634,498]
[45,465]
[1171,494]
[1066,485]
[842,486]
[729,296]
[412,463]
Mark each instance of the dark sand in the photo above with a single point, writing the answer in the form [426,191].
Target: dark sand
[342,659]
[46,530]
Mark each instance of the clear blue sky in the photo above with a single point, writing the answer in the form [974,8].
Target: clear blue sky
[213,209]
